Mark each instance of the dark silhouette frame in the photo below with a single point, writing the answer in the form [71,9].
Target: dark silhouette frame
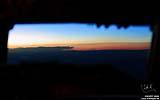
[78,11]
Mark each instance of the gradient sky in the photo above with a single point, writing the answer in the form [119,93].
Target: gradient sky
[80,36]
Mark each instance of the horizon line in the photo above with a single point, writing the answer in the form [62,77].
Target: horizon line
[72,48]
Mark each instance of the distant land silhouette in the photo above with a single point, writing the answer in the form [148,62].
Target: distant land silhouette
[130,61]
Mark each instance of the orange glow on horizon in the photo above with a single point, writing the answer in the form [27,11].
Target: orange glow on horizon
[113,46]
[93,46]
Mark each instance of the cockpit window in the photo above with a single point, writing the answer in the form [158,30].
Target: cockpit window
[81,44]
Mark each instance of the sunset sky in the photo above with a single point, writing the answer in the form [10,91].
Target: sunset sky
[80,36]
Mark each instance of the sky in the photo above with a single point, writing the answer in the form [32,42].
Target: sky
[80,36]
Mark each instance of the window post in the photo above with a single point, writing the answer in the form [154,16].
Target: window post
[155,52]
[5,25]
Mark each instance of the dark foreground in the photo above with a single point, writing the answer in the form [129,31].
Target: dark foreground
[133,62]
[45,82]
[55,73]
